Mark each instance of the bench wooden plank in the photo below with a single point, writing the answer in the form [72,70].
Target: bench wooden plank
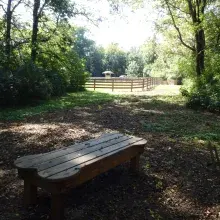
[72,163]
[29,162]
[59,160]
[37,156]
[74,170]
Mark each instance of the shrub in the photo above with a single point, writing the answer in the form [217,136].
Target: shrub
[32,83]
[204,93]
[26,83]
[77,82]
[58,82]
[8,90]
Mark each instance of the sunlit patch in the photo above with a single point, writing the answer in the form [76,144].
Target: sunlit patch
[138,110]
[35,128]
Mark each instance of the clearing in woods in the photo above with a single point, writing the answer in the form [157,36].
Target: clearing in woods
[175,181]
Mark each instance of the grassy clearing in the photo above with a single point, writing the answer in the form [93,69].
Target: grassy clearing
[69,101]
[158,111]
[167,114]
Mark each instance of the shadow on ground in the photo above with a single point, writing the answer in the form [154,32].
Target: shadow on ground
[175,181]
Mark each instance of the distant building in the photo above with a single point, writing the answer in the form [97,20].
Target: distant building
[108,74]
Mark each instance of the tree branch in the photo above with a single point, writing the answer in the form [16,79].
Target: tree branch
[177,28]
[18,3]
[42,8]
[3,8]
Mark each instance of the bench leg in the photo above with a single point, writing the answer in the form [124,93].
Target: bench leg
[134,164]
[30,193]
[57,206]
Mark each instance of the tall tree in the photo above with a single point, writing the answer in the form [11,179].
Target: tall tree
[8,11]
[196,11]
[62,8]
[36,16]
[115,59]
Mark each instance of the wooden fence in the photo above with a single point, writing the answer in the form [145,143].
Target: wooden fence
[123,83]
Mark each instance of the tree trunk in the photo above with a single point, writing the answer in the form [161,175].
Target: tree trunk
[200,51]
[34,43]
[8,32]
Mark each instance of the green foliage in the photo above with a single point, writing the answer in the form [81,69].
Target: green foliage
[115,60]
[58,82]
[204,92]
[87,50]
[168,115]
[135,63]
[65,102]
[26,83]
[57,69]
[8,91]
[133,69]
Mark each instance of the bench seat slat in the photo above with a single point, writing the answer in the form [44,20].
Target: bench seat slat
[72,163]
[74,170]
[56,161]
[31,161]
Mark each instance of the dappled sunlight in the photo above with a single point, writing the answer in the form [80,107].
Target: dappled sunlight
[174,173]
[141,110]
[40,129]
[163,90]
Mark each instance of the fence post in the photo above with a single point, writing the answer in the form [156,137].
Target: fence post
[143,85]
[112,85]
[131,85]
[94,84]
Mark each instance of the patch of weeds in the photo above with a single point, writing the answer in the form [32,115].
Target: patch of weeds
[155,127]
[155,215]
[70,100]
[147,166]
[159,184]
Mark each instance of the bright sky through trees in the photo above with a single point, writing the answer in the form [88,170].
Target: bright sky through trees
[129,29]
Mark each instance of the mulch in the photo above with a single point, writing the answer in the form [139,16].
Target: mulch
[174,183]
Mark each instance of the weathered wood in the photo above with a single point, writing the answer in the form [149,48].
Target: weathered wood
[57,206]
[121,83]
[101,166]
[69,157]
[94,84]
[134,164]
[28,162]
[30,193]
[78,169]
[63,169]
[72,163]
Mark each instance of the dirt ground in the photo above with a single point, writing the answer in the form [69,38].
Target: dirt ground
[175,181]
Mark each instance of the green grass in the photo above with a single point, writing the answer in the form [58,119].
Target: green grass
[167,114]
[162,113]
[68,101]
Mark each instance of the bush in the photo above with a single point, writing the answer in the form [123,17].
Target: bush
[26,83]
[204,93]
[58,82]
[32,83]
[77,82]
[8,90]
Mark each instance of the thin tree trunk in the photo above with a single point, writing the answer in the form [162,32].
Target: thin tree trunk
[34,43]
[8,32]
[200,51]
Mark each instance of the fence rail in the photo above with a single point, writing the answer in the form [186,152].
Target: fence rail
[123,83]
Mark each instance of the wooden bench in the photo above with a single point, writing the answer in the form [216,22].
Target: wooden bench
[60,170]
